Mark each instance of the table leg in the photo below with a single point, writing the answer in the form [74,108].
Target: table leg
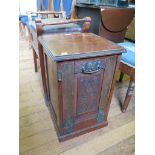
[121,77]
[35,60]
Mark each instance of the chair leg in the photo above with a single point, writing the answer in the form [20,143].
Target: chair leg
[121,77]
[20,26]
[29,38]
[35,60]
[23,28]
[43,76]
[128,96]
[26,32]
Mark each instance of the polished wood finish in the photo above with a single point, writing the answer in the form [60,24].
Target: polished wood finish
[80,93]
[76,46]
[108,22]
[114,23]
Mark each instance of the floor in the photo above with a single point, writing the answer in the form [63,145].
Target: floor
[37,133]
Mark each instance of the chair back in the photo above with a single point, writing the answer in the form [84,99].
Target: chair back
[43,15]
[39,5]
[45,5]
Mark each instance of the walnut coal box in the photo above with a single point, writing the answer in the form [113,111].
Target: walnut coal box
[80,71]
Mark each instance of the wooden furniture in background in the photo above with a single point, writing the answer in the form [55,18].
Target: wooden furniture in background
[124,68]
[45,14]
[112,25]
[108,22]
[39,14]
[33,36]
[44,5]
[112,3]
[73,9]
[127,66]
[80,71]
[52,26]
[33,31]
[130,33]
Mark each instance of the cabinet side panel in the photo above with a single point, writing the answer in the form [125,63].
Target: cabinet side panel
[53,86]
[107,81]
[68,90]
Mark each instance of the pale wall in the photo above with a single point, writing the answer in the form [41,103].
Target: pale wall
[27,5]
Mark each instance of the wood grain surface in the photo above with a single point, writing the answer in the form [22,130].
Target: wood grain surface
[77,44]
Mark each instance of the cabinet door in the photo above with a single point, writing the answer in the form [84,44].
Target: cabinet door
[85,87]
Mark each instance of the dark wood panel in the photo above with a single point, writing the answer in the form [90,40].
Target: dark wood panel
[83,98]
[67,71]
[87,93]
[53,86]
[106,85]
[88,88]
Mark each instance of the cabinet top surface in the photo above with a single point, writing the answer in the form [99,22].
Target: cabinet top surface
[61,46]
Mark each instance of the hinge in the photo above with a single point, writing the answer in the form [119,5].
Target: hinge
[59,76]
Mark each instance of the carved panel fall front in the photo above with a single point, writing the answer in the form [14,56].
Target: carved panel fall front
[81,91]
[80,82]
[87,94]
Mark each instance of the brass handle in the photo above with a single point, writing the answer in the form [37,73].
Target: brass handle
[92,67]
